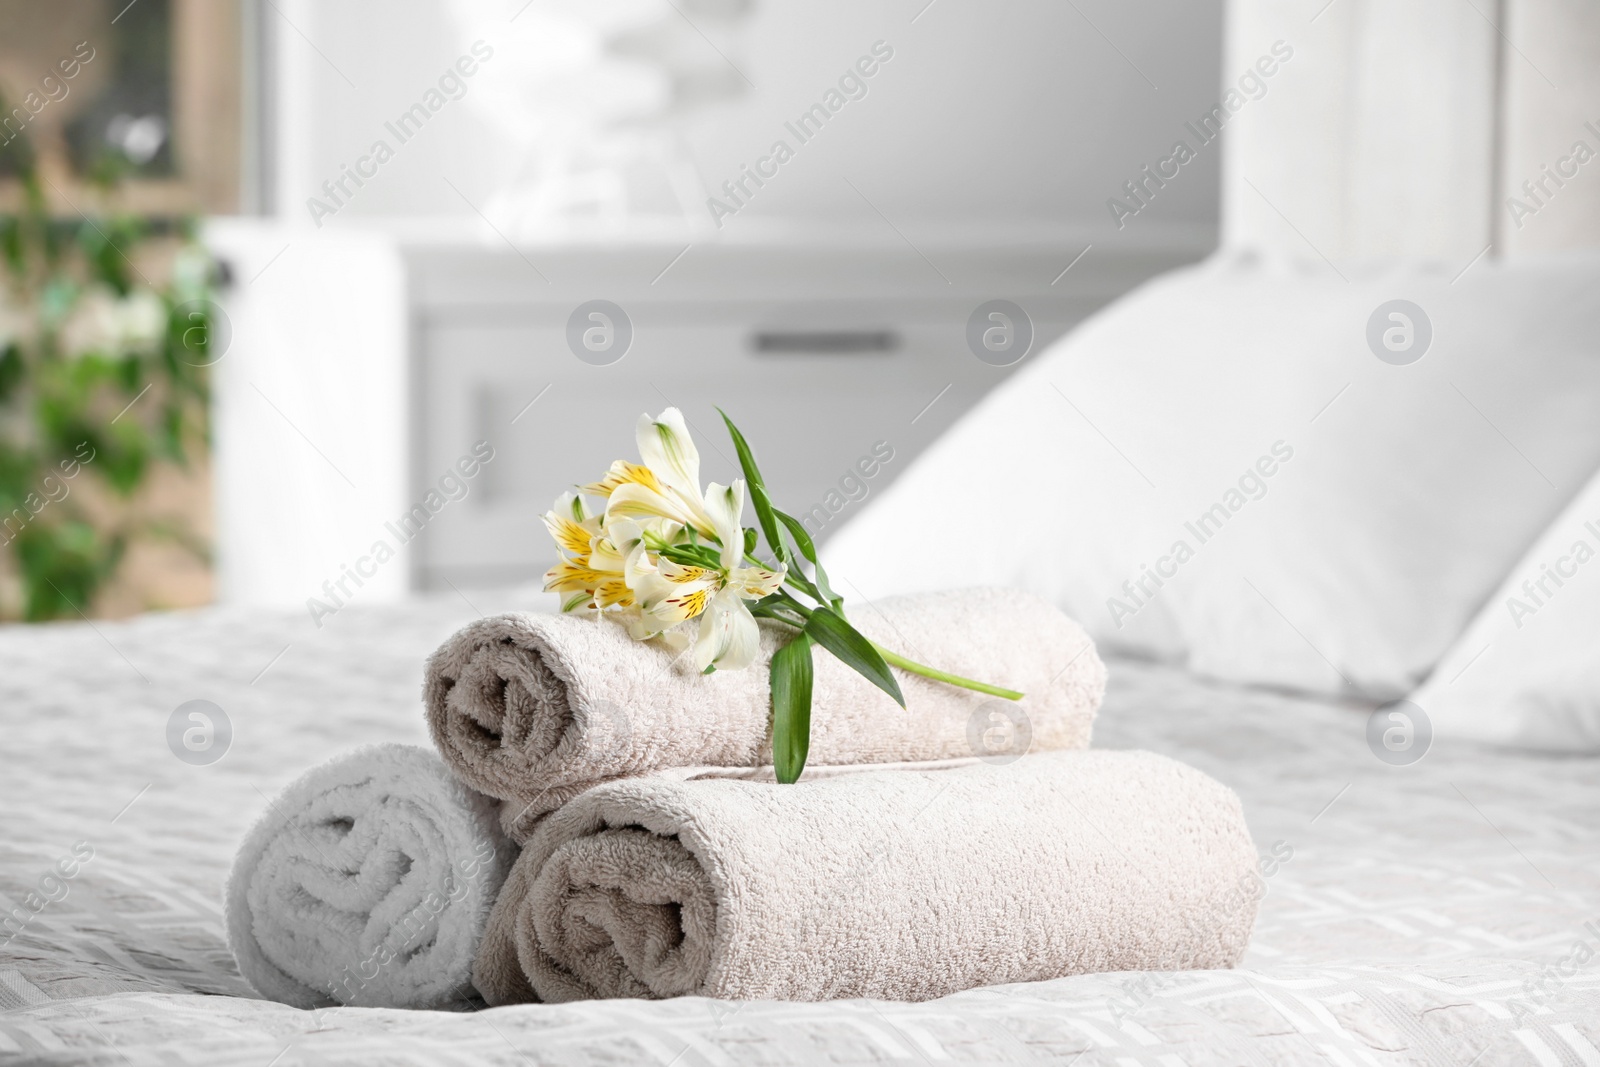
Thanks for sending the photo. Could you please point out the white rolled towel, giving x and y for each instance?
(535, 709)
(902, 885)
(367, 881)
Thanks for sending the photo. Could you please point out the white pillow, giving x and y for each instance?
(1527, 671)
(1398, 495)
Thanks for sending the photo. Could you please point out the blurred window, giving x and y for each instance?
(148, 91)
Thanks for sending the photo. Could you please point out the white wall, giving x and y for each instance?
(1377, 139)
(1381, 139)
(1027, 113)
(1552, 79)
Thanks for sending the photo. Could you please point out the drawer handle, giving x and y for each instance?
(825, 342)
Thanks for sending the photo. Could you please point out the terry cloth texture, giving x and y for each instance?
(367, 881)
(904, 885)
(534, 709)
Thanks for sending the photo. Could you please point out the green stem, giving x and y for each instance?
(790, 603)
(943, 676)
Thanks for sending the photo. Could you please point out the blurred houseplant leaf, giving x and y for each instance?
(98, 384)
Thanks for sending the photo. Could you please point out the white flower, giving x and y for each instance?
(667, 486)
(104, 323)
(664, 549)
(592, 583)
(141, 320)
(670, 592)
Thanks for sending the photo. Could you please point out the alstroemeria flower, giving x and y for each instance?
(666, 486)
(589, 573)
(593, 567)
(664, 552)
(670, 592)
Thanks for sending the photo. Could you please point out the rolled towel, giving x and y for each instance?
(367, 881)
(904, 885)
(534, 709)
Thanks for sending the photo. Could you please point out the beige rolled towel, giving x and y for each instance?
(903, 885)
(534, 709)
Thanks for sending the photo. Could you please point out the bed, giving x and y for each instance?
(1446, 912)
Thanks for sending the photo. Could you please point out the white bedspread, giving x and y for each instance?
(1416, 903)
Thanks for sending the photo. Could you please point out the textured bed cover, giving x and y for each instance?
(1413, 908)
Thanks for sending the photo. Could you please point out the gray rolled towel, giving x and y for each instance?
(367, 881)
(534, 709)
(902, 885)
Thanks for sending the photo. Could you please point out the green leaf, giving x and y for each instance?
(791, 708)
(778, 606)
(12, 370)
(758, 489)
(62, 566)
(808, 549)
(769, 528)
(802, 539)
(691, 556)
(845, 641)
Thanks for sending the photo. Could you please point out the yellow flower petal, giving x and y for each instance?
(572, 575)
(682, 574)
(614, 592)
(675, 609)
(570, 536)
(623, 473)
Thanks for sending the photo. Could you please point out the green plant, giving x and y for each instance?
(103, 376)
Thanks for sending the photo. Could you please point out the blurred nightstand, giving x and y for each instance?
(819, 347)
